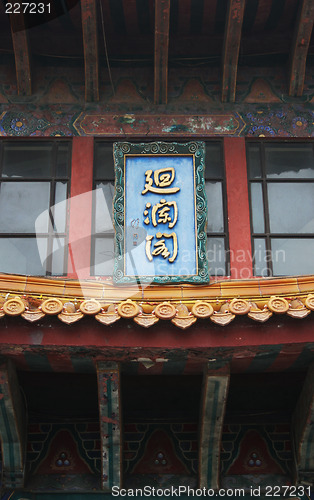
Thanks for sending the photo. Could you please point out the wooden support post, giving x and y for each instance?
(303, 430)
(231, 48)
(300, 47)
(162, 21)
(12, 427)
(90, 43)
(21, 54)
(214, 398)
(110, 423)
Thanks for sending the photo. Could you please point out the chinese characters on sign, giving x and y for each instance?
(161, 229)
(161, 213)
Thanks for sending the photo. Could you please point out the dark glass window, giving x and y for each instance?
(217, 240)
(281, 177)
(34, 182)
(103, 231)
(102, 225)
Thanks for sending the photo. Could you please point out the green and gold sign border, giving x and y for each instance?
(120, 151)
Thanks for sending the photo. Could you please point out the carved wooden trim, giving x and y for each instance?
(231, 48)
(90, 44)
(21, 54)
(300, 46)
(162, 20)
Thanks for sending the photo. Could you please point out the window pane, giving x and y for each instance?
(260, 257)
(20, 205)
(23, 255)
(289, 160)
(59, 209)
(63, 160)
(216, 256)
(104, 161)
(58, 256)
(103, 203)
(215, 222)
(291, 207)
(213, 160)
(104, 254)
(257, 207)
(254, 161)
(28, 160)
(292, 256)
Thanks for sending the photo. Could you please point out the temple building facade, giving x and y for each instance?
(156, 249)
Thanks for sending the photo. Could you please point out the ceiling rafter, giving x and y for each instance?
(22, 57)
(90, 45)
(231, 48)
(299, 48)
(162, 22)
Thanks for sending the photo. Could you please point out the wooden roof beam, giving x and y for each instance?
(90, 45)
(231, 48)
(21, 54)
(162, 21)
(300, 46)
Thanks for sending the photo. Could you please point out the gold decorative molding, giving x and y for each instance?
(202, 309)
(52, 306)
(14, 307)
(165, 310)
(221, 302)
(91, 307)
(278, 305)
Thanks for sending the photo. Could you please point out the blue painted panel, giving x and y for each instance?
(182, 227)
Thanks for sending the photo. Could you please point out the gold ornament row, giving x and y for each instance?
(179, 314)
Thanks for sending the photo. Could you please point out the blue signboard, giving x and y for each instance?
(160, 213)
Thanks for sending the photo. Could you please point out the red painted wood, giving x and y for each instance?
(80, 208)
(162, 20)
(238, 208)
(262, 15)
(130, 16)
(300, 47)
(90, 45)
(232, 40)
(126, 340)
(21, 54)
(209, 15)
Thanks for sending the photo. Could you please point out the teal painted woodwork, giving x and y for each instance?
(160, 213)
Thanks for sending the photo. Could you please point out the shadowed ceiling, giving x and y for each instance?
(161, 34)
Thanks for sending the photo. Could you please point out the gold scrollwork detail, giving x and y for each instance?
(128, 309)
(70, 318)
(278, 305)
(14, 307)
(184, 323)
(52, 306)
(165, 310)
(90, 306)
(33, 315)
(309, 302)
(146, 320)
(202, 309)
(239, 306)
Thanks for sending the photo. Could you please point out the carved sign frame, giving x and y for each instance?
(121, 151)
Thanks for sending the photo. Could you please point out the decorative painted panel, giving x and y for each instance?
(160, 213)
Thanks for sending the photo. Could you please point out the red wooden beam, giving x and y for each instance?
(90, 44)
(80, 208)
(238, 208)
(21, 54)
(300, 46)
(162, 18)
(231, 47)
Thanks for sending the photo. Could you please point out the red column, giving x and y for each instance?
(238, 208)
(80, 208)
